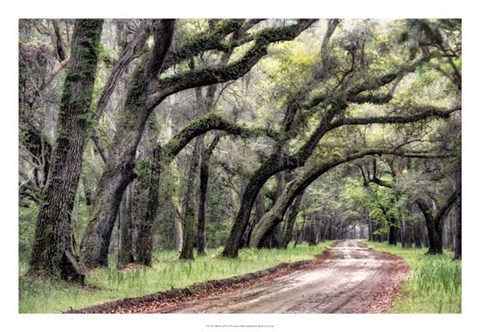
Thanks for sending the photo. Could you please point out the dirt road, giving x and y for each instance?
(351, 279)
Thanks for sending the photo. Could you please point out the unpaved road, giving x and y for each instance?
(351, 279)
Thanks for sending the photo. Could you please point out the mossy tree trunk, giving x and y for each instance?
(119, 169)
(274, 238)
(290, 222)
(177, 233)
(189, 204)
(434, 237)
(53, 250)
(144, 238)
(257, 216)
(434, 221)
(204, 175)
(125, 246)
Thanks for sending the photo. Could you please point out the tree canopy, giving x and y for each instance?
(236, 132)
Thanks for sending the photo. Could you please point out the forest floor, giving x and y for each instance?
(348, 278)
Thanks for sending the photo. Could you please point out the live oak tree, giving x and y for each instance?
(148, 90)
(53, 251)
(359, 81)
(298, 185)
(427, 198)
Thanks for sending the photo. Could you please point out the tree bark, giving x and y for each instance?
(370, 227)
(125, 247)
(273, 238)
(300, 231)
(204, 174)
(434, 238)
(406, 234)
(58, 41)
(53, 250)
(144, 241)
(258, 214)
(392, 229)
(418, 235)
(458, 217)
(177, 234)
(458, 230)
(189, 203)
(434, 223)
(291, 218)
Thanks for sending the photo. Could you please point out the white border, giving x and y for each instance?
(241, 8)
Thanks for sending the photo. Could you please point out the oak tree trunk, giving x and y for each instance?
(458, 231)
(189, 203)
(204, 175)
(273, 238)
(53, 250)
(290, 222)
(125, 246)
(145, 232)
(392, 230)
(418, 235)
(406, 234)
(457, 240)
(434, 239)
(119, 169)
(177, 230)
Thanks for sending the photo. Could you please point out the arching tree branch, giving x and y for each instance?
(418, 116)
(208, 123)
(237, 69)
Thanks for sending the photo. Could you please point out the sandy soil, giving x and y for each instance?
(350, 279)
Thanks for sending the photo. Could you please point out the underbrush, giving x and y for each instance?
(435, 285)
(108, 284)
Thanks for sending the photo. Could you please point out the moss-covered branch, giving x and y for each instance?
(233, 71)
(204, 42)
(400, 119)
(206, 124)
(129, 53)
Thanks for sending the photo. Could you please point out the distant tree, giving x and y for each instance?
(346, 76)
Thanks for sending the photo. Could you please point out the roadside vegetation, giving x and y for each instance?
(435, 285)
(167, 272)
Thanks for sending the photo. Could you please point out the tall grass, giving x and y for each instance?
(167, 272)
(435, 285)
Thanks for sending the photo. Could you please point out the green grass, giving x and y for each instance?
(44, 296)
(435, 285)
